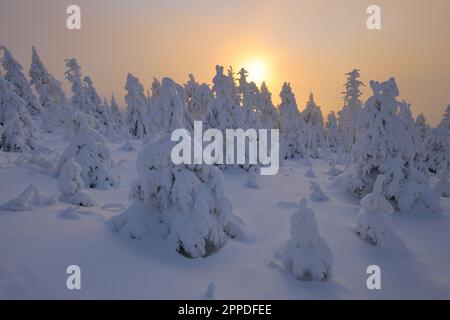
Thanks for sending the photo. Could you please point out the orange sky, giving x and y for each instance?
(309, 43)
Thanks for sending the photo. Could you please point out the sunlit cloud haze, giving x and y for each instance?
(308, 43)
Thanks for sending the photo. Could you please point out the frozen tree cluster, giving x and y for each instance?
(385, 146)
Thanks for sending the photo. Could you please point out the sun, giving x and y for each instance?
(257, 71)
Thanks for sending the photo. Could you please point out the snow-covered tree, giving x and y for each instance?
(269, 114)
(385, 147)
(332, 134)
(51, 94)
(14, 74)
(307, 255)
(445, 122)
(422, 126)
(18, 131)
(223, 112)
(198, 97)
(437, 144)
(70, 184)
(168, 108)
(374, 224)
(348, 116)
(291, 125)
(249, 98)
(418, 144)
(186, 202)
(98, 109)
(313, 135)
(117, 127)
(82, 109)
(442, 187)
(137, 113)
(89, 150)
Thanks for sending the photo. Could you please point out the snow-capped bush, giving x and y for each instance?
(91, 153)
(28, 200)
(291, 125)
(333, 171)
(307, 255)
(71, 185)
(316, 193)
(137, 113)
(18, 131)
(374, 224)
(21, 86)
(186, 201)
(386, 147)
(250, 178)
(313, 134)
(348, 116)
(51, 94)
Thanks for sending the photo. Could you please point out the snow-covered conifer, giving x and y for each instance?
(313, 136)
(437, 145)
(14, 74)
(168, 108)
(198, 97)
(348, 116)
(445, 122)
(51, 94)
(90, 151)
(269, 114)
(249, 92)
(386, 147)
(291, 125)
(442, 187)
(332, 134)
(186, 202)
(137, 113)
(81, 102)
(422, 126)
(307, 255)
(18, 131)
(223, 112)
(374, 224)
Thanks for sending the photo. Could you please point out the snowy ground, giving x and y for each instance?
(37, 246)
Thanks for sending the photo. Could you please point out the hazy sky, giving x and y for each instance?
(308, 43)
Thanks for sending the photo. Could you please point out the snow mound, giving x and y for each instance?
(28, 200)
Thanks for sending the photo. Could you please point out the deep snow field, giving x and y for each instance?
(37, 246)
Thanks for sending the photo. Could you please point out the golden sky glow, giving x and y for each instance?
(311, 44)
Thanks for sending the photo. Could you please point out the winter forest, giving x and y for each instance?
(85, 181)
